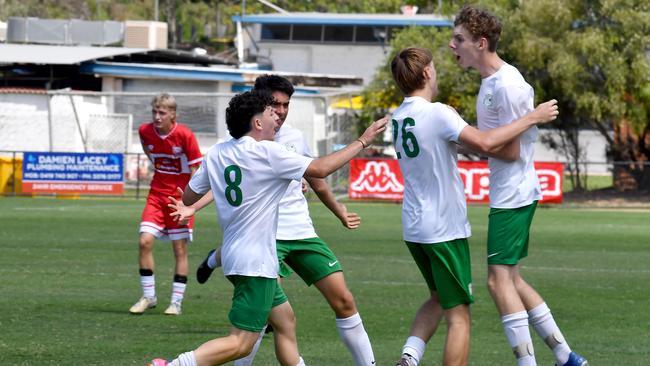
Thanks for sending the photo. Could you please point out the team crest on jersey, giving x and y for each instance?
(149, 147)
(487, 100)
(290, 147)
(177, 150)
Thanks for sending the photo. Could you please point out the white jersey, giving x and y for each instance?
(425, 136)
(294, 222)
(505, 97)
(248, 179)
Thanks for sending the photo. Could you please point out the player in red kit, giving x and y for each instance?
(175, 154)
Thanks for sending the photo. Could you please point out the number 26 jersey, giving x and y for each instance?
(425, 136)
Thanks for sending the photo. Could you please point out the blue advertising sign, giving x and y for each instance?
(54, 172)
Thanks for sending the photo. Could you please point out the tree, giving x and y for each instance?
(456, 87)
(590, 55)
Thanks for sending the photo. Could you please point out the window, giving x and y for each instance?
(276, 32)
(303, 32)
(370, 34)
(338, 33)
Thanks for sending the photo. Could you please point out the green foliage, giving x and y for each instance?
(456, 87)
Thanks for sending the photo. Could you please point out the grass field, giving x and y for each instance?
(69, 274)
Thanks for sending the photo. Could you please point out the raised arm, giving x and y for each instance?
(489, 142)
(326, 165)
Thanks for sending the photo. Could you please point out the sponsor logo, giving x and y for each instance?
(331, 264)
(377, 177)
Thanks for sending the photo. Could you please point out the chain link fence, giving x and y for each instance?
(93, 122)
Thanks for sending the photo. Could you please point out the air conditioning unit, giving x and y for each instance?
(145, 34)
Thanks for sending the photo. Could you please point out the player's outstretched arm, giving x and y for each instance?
(182, 213)
(491, 140)
(349, 219)
(328, 164)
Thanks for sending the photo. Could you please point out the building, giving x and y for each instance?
(326, 43)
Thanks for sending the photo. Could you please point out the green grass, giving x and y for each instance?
(591, 182)
(69, 274)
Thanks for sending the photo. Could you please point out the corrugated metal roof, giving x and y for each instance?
(160, 71)
(347, 19)
(58, 55)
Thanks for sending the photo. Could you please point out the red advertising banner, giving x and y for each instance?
(382, 179)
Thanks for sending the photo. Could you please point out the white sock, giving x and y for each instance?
(414, 347)
(301, 362)
(248, 360)
(356, 339)
(148, 284)
(515, 326)
(178, 292)
(184, 359)
(542, 320)
(213, 261)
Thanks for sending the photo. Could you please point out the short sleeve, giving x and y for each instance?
(306, 150)
(200, 181)
(192, 149)
(286, 164)
(513, 102)
(451, 123)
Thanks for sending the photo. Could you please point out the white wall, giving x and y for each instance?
(352, 60)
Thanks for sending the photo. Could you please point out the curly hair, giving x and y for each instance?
(408, 67)
(274, 83)
(480, 23)
(241, 109)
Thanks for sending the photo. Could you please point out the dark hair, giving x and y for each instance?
(274, 83)
(241, 109)
(480, 23)
(408, 68)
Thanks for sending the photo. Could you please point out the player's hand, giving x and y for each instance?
(181, 213)
(546, 112)
(305, 187)
(349, 219)
(375, 129)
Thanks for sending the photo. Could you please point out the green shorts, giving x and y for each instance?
(446, 267)
(252, 301)
(508, 233)
(310, 258)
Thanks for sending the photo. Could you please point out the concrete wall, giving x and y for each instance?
(339, 59)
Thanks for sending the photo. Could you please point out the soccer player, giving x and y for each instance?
(175, 154)
(514, 189)
(298, 245)
(248, 176)
(434, 213)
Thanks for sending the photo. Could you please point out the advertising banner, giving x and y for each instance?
(73, 173)
(382, 179)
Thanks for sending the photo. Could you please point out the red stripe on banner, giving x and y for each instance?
(73, 187)
(381, 179)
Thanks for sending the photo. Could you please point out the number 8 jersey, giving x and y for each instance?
(425, 136)
(248, 179)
